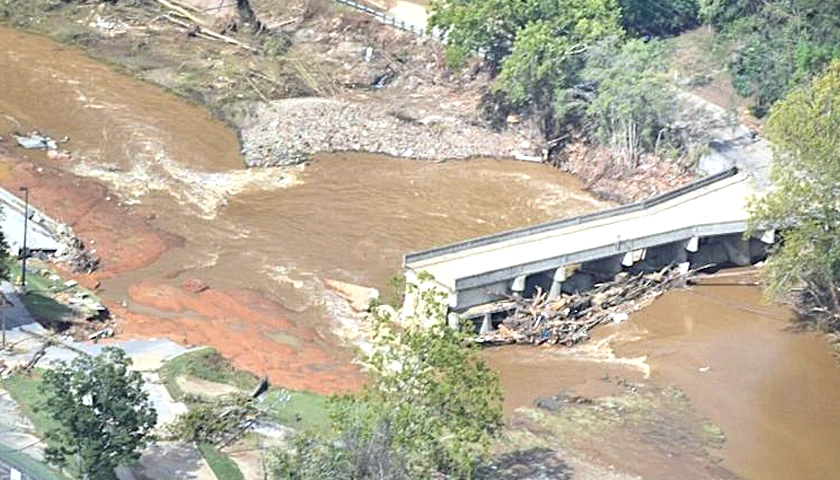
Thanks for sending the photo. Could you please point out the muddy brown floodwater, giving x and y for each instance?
(158, 187)
(774, 393)
(264, 240)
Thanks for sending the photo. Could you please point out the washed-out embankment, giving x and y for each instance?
(159, 189)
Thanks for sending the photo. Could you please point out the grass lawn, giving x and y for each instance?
(303, 410)
(24, 390)
(206, 364)
(223, 467)
(40, 292)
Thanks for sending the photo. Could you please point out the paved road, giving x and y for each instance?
(718, 203)
(11, 221)
(16, 314)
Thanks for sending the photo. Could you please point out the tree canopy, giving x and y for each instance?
(776, 44)
(633, 104)
(535, 46)
(571, 64)
(658, 18)
(805, 201)
(430, 408)
(104, 415)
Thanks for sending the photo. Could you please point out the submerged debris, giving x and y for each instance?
(34, 140)
(569, 319)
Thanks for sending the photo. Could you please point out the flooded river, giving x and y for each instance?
(265, 241)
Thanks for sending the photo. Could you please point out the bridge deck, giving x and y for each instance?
(719, 202)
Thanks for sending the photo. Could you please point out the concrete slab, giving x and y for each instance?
(167, 460)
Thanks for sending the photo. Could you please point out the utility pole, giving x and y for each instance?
(25, 253)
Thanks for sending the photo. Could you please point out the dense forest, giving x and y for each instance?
(600, 66)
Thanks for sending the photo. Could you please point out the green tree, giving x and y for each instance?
(658, 17)
(5, 271)
(805, 200)
(633, 104)
(775, 44)
(104, 415)
(535, 46)
(430, 408)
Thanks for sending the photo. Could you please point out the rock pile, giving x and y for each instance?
(289, 131)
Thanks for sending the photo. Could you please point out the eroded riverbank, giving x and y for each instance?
(765, 394)
(160, 188)
(264, 240)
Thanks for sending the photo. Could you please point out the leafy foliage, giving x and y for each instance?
(775, 44)
(633, 104)
(431, 407)
(569, 64)
(5, 270)
(104, 415)
(535, 46)
(214, 421)
(806, 199)
(658, 17)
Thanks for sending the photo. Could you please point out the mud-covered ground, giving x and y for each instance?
(640, 430)
(126, 241)
(367, 86)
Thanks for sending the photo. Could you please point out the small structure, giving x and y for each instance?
(41, 236)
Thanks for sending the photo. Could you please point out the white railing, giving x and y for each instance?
(388, 19)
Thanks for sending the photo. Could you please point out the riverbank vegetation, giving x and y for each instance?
(577, 68)
(805, 266)
(773, 46)
(430, 409)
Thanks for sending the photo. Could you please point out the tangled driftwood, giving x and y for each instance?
(569, 319)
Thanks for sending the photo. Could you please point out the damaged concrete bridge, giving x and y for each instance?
(700, 224)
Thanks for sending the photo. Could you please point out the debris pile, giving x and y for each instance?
(569, 319)
(36, 141)
(76, 256)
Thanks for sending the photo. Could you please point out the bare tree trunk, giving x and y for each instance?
(246, 13)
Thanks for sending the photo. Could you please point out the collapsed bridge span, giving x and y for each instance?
(698, 224)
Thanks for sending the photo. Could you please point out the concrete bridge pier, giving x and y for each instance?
(557, 283)
(518, 285)
(486, 324)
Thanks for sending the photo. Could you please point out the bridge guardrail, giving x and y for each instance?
(387, 19)
(617, 248)
(555, 224)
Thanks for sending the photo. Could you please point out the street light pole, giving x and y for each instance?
(25, 191)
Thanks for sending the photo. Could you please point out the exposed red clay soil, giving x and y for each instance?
(122, 238)
(245, 327)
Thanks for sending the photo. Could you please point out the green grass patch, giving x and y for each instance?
(41, 290)
(304, 410)
(25, 390)
(28, 465)
(223, 467)
(206, 364)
